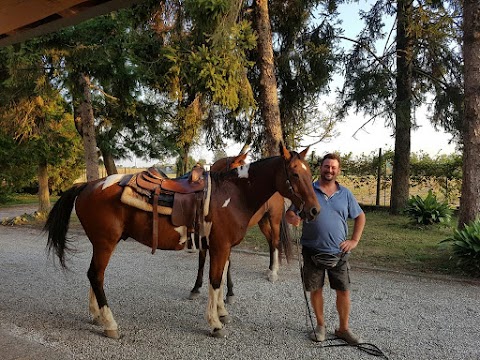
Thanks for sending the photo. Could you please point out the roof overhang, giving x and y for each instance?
(21, 20)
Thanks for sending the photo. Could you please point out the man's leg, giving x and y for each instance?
(316, 298)
(343, 308)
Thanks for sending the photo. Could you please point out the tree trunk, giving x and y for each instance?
(403, 125)
(109, 163)
(470, 196)
(43, 191)
(88, 128)
(268, 83)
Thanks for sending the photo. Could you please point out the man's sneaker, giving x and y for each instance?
(348, 336)
(318, 334)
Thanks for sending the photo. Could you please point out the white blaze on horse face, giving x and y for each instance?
(182, 230)
(112, 179)
(243, 171)
(225, 204)
(304, 167)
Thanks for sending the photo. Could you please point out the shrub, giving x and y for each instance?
(466, 246)
(428, 211)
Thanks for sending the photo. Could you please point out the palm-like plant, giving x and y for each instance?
(466, 246)
(429, 210)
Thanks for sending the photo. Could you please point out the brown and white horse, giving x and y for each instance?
(270, 220)
(235, 197)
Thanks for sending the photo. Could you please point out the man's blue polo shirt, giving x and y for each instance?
(330, 228)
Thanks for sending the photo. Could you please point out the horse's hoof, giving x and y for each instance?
(226, 319)
(112, 334)
(219, 333)
(272, 277)
(96, 321)
(230, 299)
(193, 296)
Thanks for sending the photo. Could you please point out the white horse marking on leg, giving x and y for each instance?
(93, 307)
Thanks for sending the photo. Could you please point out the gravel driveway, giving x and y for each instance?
(44, 310)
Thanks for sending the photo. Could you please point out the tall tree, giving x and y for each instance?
(470, 198)
(268, 99)
(403, 107)
(194, 58)
(85, 121)
(306, 54)
(116, 113)
(33, 113)
(391, 82)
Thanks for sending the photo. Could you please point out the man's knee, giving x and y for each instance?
(343, 295)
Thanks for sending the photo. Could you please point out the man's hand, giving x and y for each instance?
(292, 218)
(348, 245)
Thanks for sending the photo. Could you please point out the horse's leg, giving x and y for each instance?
(93, 307)
(195, 292)
(101, 312)
(230, 294)
(216, 311)
(272, 235)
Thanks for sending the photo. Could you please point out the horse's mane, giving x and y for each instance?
(219, 176)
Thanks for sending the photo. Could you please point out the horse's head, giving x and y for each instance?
(229, 163)
(296, 183)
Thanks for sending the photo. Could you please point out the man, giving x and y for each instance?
(325, 247)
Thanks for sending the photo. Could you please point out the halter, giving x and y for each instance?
(290, 188)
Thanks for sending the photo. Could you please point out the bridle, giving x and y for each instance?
(292, 191)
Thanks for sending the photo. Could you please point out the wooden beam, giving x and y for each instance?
(17, 14)
(80, 11)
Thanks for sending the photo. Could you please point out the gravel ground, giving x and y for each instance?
(44, 310)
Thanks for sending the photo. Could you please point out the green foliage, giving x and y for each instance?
(429, 210)
(466, 246)
(17, 167)
(433, 38)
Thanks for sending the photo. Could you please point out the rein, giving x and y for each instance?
(368, 348)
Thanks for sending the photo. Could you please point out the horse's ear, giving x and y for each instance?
(196, 174)
(284, 152)
(303, 154)
(241, 158)
(244, 156)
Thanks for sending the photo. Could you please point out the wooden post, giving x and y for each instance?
(379, 175)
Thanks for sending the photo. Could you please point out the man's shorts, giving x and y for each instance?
(314, 275)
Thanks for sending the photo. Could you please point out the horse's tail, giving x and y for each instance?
(58, 221)
(285, 238)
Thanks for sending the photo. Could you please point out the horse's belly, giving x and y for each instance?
(169, 237)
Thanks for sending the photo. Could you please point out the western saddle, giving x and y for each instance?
(188, 193)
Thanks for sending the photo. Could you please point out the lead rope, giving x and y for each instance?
(368, 348)
(308, 311)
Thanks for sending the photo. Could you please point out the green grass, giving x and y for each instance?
(24, 199)
(21, 199)
(391, 242)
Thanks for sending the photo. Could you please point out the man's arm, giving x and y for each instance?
(292, 218)
(358, 225)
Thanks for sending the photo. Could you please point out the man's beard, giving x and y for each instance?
(330, 178)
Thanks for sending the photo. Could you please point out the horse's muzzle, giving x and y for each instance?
(311, 214)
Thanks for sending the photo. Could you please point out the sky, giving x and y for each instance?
(372, 137)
